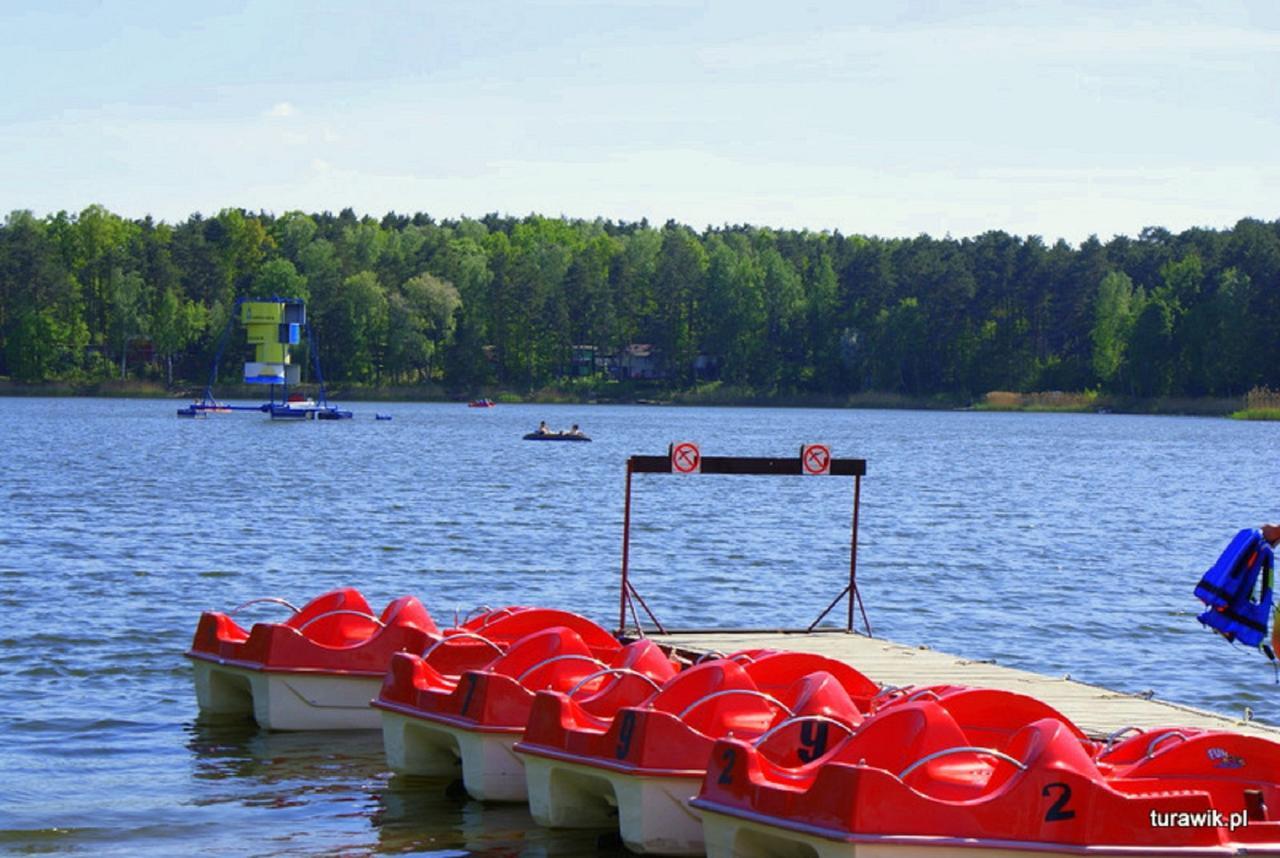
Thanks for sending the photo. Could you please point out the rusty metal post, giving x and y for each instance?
(626, 550)
(853, 560)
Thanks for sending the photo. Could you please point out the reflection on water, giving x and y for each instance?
(252, 768)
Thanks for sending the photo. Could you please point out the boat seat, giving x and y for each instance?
(824, 718)
(343, 627)
(633, 674)
(551, 658)
(697, 697)
(342, 599)
(898, 736)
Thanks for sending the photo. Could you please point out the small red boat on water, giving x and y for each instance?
(434, 724)
(639, 767)
(978, 771)
(481, 403)
(319, 669)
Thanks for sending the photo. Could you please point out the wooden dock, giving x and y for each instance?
(1096, 710)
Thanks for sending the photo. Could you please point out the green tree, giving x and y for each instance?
(128, 312)
(1151, 347)
(278, 278)
(678, 285)
(361, 334)
(434, 303)
(1114, 313)
(175, 325)
(32, 346)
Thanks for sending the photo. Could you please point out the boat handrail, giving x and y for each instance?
(556, 658)
(796, 719)
(477, 611)
(768, 698)
(613, 671)
(916, 695)
(469, 635)
(495, 614)
(1114, 737)
(1168, 734)
(341, 611)
(272, 599)
(962, 749)
(708, 655)
(888, 690)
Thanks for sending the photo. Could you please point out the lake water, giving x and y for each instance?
(1055, 543)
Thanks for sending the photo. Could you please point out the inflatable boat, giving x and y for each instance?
(437, 725)
(984, 772)
(638, 769)
(555, 436)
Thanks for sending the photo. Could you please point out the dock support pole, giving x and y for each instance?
(854, 595)
(626, 550)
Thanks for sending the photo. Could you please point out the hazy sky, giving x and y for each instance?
(893, 119)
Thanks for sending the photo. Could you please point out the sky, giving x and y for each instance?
(878, 118)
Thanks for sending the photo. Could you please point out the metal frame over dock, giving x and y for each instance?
(685, 458)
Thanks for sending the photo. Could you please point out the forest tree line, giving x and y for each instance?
(503, 301)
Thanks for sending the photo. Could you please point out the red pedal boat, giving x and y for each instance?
(924, 778)
(315, 671)
(434, 724)
(319, 669)
(648, 760)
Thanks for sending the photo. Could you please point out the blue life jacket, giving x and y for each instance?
(1227, 588)
(1224, 579)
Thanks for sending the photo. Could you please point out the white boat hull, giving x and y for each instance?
(731, 836)
(415, 747)
(652, 813)
(490, 769)
(288, 701)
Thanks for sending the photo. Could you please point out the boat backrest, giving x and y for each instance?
(899, 736)
(775, 672)
(1051, 744)
(511, 627)
(820, 693)
(697, 682)
(990, 716)
(528, 660)
(345, 598)
(408, 611)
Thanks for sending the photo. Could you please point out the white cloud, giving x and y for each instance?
(282, 110)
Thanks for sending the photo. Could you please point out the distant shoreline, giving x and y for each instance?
(996, 401)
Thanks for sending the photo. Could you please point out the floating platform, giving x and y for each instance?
(1096, 710)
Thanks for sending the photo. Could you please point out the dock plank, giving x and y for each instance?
(1096, 710)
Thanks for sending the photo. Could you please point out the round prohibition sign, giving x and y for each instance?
(815, 460)
(685, 458)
